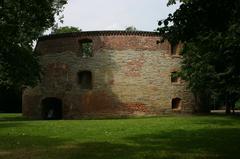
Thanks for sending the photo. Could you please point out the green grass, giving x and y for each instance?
(149, 138)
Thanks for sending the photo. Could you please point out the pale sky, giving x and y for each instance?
(91, 15)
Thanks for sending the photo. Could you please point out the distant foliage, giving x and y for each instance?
(131, 28)
(65, 29)
(171, 2)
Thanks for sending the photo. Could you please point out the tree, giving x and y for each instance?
(65, 29)
(131, 28)
(21, 23)
(210, 31)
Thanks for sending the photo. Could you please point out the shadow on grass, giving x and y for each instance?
(203, 143)
(219, 120)
(11, 120)
(12, 117)
(9, 125)
(29, 147)
(26, 141)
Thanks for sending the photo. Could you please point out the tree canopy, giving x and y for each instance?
(65, 29)
(210, 32)
(131, 28)
(22, 22)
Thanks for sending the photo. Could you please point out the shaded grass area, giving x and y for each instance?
(160, 137)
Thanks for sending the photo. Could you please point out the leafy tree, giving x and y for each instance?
(131, 28)
(210, 31)
(65, 29)
(22, 22)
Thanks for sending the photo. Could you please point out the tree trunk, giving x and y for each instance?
(228, 108)
(202, 103)
(233, 107)
(230, 102)
(228, 105)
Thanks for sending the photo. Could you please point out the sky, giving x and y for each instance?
(90, 15)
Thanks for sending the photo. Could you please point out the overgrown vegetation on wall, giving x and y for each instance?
(210, 31)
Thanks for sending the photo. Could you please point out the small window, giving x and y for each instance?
(85, 79)
(174, 49)
(176, 103)
(86, 48)
(175, 77)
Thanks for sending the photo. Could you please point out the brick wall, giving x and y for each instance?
(131, 75)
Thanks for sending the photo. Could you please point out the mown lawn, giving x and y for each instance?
(149, 138)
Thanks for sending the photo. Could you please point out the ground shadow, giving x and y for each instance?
(202, 143)
(217, 138)
(219, 120)
(26, 146)
(12, 118)
(10, 124)
(179, 143)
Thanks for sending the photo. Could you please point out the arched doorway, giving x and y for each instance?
(51, 108)
(176, 104)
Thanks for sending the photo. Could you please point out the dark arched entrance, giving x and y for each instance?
(176, 104)
(51, 108)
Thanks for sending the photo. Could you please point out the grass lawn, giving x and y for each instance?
(149, 138)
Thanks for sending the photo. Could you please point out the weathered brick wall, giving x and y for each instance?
(131, 76)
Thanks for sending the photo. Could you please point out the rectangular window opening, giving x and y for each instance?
(86, 48)
(85, 79)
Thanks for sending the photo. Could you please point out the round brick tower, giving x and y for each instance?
(106, 74)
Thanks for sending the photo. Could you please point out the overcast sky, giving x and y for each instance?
(115, 14)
